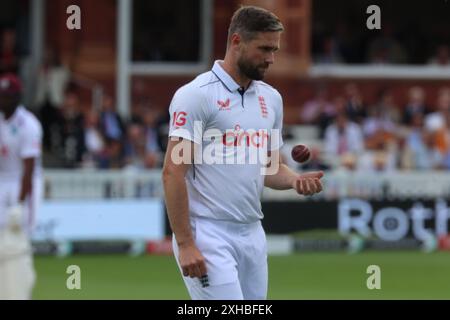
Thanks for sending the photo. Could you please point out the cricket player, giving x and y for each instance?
(213, 203)
(20, 189)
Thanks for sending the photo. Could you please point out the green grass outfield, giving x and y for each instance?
(404, 275)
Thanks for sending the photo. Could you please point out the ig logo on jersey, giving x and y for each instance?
(179, 118)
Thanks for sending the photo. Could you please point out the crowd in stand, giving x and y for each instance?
(355, 134)
(381, 136)
(346, 45)
(78, 136)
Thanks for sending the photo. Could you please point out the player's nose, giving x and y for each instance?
(270, 59)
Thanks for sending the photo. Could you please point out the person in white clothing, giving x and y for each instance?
(20, 190)
(225, 136)
(343, 136)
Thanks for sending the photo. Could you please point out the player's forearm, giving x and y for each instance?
(282, 180)
(27, 179)
(177, 207)
(25, 189)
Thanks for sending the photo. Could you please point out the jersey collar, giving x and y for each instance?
(14, 116)
(226, 79)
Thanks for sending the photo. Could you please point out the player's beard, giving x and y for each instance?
(250, 70)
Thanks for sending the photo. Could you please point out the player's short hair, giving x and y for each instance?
(247, 21)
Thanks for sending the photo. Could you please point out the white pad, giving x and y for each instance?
(17, 274)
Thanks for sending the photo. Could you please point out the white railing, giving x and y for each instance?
(98, 184)
(398, 185)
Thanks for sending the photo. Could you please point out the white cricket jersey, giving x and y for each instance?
(20, 138)
(230, 127)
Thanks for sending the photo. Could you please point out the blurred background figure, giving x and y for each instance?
(343, 136)
(318, 110)
(111, 122)
(330, 53)
(52, 82)
(67, 135)
(381, 133)
(135, 145)
(9, 55)
(94, 141)
(442, 56)
(153, 156)
(418, 152)
(316, 161)
(355, 108)
(386, 49)
(437, 126)
(415, 105)
(381, 123)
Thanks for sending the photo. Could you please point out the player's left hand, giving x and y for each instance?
(308, 183)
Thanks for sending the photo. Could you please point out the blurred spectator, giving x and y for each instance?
(9, 56)
(385, 158)
(135, 146)
(162, 128)
(69, 139)
(380, 127)
(380, 135)
(343, 136)
(93, 140)
(153, 156)
(140, 101)
(53, 80)
(385, 49)
(110, 122)
(437, 126)
(141, 104)
(355, 109)
(417, 153)
(442, 56)
(142, 150)
(319, 110)
(348, 43)
(415, 105)
(347, 162)
(113, 155)
(330, 53)
(437, 120)
(316, 162)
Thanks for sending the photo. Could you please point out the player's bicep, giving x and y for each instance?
(188, 114)
(179, 156)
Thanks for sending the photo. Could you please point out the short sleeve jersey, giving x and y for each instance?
(20, 138)
(232, 130)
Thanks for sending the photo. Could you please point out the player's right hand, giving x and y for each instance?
(14, 216)
(192, 261)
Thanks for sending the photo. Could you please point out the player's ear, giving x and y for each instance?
(235, 40)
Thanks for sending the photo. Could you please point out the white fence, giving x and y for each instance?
(99, 184)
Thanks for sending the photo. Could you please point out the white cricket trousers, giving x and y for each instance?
(17, 275)
(236, 260)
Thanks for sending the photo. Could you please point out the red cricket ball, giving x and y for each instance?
(300, 153)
